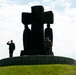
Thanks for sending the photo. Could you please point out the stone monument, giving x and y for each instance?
(37, 42)
(33, 40)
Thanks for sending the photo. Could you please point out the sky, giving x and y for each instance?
(64, 27)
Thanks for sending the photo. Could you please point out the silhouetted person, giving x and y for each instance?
(48, 46)
(11, 47)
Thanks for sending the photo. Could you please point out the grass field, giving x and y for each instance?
(56, 69)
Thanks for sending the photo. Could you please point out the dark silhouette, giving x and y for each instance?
(11, 47)
(49, 34)
(33, 40)
(48, 46)
(26, 40)
(37, 42)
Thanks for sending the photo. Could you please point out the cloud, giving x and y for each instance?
(4, 3)
(65, 33)
(57, 4)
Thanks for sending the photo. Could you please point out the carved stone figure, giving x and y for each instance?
(26, 39)
(49, 33)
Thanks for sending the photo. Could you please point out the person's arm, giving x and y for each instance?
(8, 43)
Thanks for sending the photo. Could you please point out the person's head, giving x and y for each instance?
(48, 25)
(11, 41)
(47, 38)
(26, 26)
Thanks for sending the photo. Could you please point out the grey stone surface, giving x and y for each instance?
(36, 59)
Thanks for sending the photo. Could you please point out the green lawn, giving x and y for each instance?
(56, 69)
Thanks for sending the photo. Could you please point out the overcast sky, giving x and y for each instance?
(64, 27)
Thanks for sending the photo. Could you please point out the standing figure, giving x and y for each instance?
(26, 39)
(49, 34)
(11, 47)
(48, 46)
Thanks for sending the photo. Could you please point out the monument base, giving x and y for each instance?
(35, 52)
(36, 60)
(32, 52)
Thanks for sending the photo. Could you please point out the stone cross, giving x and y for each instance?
(33, 40)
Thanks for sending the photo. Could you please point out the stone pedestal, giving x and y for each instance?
(36, 60)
